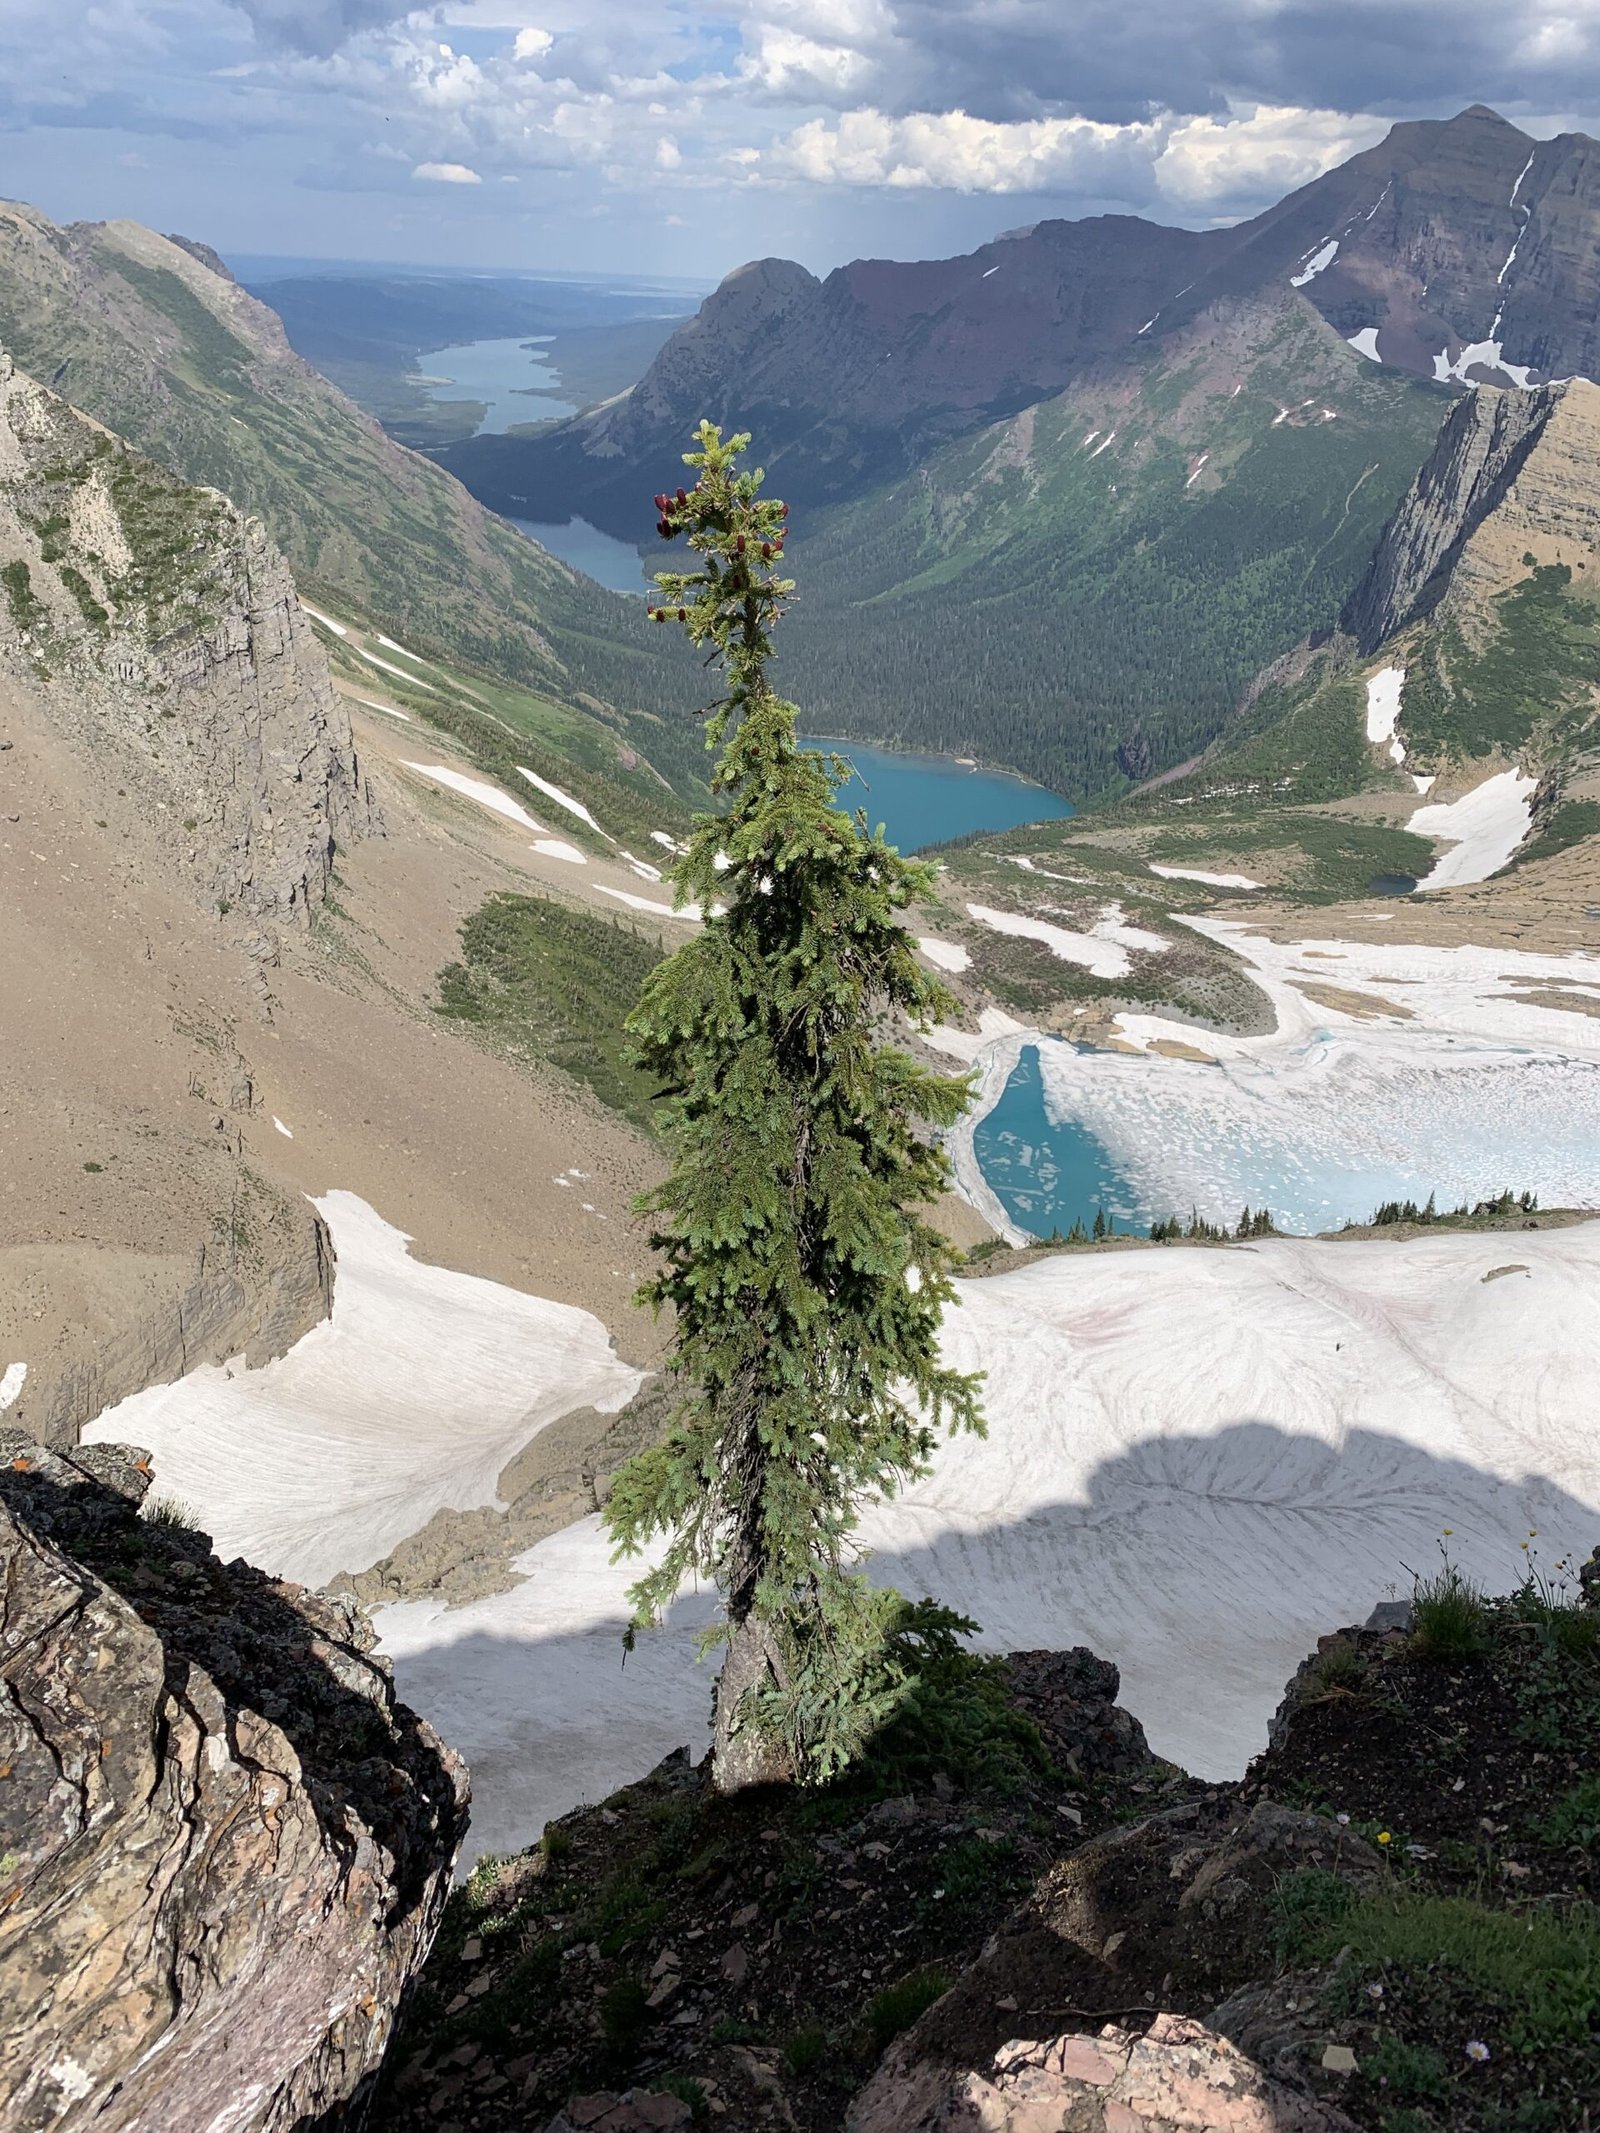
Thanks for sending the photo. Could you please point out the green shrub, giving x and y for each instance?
(1339, 1671)
(1306, 1904)
(806, 2048)
(624, 2013)
(1449, 1615)
(1575, 1818)
(897, 2006)
(1412, 2072)
(172, 1511)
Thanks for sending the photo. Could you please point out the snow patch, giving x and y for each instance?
(1212, 881)
(413, 1397)
(389, 667)
(1487, 825)
(1316, 265)
(984, 276)
(1424, 784)
(283, 1129)
(1194, 471)
(1100, 447)
(1365, 343)
(562, 799)
(489, 796)
(1483, 355)
(944, 955)
(12, 1379)
(374, 703)
(669, 843)
(1102, 951)
(327, 621)
(1383, 709)
(1521, 174)
(688, 912)
(558, 848)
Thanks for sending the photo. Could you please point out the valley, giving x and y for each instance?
(1215, 612)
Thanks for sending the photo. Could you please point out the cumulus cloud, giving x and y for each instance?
(953, 150)
(447, 173)
(1260, 154)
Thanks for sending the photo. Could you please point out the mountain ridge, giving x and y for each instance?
(1457, 250)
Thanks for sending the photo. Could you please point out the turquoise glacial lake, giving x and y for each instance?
(1046, 1176)
(928, 799)
(511, 378)
(598, 555)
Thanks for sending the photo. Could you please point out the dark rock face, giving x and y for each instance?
(1072, 1698)
(162, 629)
(224, 1847)
(1482, 449)
(1464, 245)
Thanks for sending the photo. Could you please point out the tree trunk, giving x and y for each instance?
(740, 1755)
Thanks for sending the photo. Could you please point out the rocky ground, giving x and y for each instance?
(1014, 1917)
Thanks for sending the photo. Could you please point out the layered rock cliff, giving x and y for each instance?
(1482, 449)
(224, 1847)
(163, 627)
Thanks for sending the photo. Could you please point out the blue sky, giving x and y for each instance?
(683, 136)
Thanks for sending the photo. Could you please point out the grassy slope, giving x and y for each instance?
(1027, 602)
(186, 366)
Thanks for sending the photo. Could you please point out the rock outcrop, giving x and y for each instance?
(163, 627)
(224, 1847)
(1178, 1903)
(1509, 484)
(1178, 2077)
(1481, 451)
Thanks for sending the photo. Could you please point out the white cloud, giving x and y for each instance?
(952, 150)
(532, 44)
(1259, 153)
(447, 173)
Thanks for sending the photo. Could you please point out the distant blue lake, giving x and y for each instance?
(598, 555)
(511, 377)
(928, 799)
(1045, 1176)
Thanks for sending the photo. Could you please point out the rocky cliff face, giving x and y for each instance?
(224, 1847)
(164, 628)
(1481, 450)
(1511, 478)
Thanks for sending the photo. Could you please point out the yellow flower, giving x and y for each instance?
(1383, 1836)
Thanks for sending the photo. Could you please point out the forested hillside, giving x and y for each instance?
(1085, 591)
(155, 340)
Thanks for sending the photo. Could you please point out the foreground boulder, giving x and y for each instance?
(1179, 2077)
(224, 1847)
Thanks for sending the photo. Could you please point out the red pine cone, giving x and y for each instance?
(664, 528)
(683, 614)
(683, 496)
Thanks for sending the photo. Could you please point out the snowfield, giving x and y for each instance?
(1486, 827)
(413, 1397)
(1198, 1461)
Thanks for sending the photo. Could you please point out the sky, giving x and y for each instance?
(682, 137)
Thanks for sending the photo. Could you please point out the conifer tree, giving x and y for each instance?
(806, 1283)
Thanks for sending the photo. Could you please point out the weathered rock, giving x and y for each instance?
(1179, 2077)
(224, 1847)
(1511, 476)
(1072, 1698)
(165, 630)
